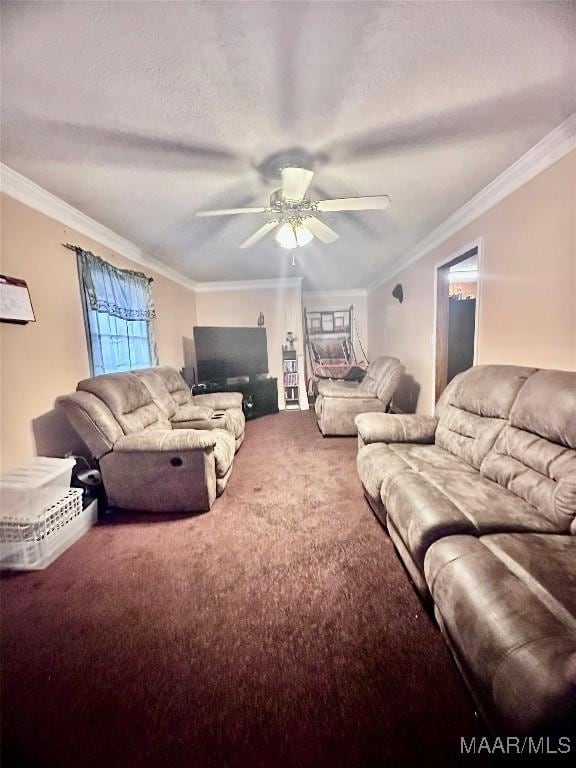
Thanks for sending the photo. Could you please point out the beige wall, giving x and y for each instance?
(334, 300)
(47, 358)
(527, 304)
(282, 308)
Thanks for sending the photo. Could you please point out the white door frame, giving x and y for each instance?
(477, 244)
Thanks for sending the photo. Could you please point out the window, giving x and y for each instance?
(118, 314)
(116, 344)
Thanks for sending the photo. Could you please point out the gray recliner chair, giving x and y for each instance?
(147, 465)
(339, 402)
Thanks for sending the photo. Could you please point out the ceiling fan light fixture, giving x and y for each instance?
(290, 237)
(304, 236)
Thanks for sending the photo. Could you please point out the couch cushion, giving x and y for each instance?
(129, 400)
(474, 408)
(378, 463)
(534, 455)
(546, 406)
(424, 458)
(508, 605)
(427, 507)
(488, 390)
(545, 563)
(467, 435)
(175, 384)
(541, 472)
(342, 389)
(154, 383)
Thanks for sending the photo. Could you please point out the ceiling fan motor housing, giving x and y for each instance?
(279, 203)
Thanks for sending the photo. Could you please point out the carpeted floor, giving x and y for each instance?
(277, 630)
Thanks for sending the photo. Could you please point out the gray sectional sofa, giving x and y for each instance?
(159, 449)
(480, 502)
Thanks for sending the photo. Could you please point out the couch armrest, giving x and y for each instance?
(393, 428)
(220, 401)
(345, 389)
(164, 441)
(190, 413)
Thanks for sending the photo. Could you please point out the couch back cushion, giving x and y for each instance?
(175, 384)
(128, 400)
(92, 420)
(382, 378)
(474, 409)
(535, 455)
(154, 383)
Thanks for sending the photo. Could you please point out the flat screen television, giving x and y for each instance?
(225, 353)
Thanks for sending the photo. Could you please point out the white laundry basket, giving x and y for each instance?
(33, 543)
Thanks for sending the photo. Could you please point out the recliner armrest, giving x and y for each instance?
(190, 413)
(345, 389)
(395, 428)
(166, 441)
(220, 401)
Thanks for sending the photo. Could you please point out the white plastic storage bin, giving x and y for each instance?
(34, 486)
(34, 543)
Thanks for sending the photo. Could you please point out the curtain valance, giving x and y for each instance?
(122, 293)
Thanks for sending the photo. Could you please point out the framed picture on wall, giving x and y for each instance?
(15, 302)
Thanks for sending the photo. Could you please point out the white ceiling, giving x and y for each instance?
(140, 113)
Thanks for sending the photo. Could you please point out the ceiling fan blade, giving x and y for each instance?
(295, 182)
(229, 211)
(379, 203)
(260, 233)
(320, 230)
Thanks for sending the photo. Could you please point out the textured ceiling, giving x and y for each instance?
(140, 114)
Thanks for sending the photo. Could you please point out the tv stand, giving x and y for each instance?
(260, 395)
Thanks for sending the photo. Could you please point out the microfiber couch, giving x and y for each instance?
(480, 502)
(339, 402)
(150, 457)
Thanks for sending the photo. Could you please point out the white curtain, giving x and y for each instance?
(119, 292)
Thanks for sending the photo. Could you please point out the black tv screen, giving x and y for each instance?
(224, 353)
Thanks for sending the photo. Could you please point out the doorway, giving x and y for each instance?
(456, 317)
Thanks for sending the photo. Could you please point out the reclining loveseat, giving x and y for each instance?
(147, 464)
(480, 502)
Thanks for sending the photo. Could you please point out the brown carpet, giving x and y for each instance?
(279, 629)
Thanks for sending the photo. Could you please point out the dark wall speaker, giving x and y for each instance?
(398, 292)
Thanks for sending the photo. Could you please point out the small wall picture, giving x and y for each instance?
(15, 302)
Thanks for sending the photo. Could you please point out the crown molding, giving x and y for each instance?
(346, 293)
(24, 190)
(249, 285)
(541, 156)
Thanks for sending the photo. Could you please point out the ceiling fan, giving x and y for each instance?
(293, 212)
